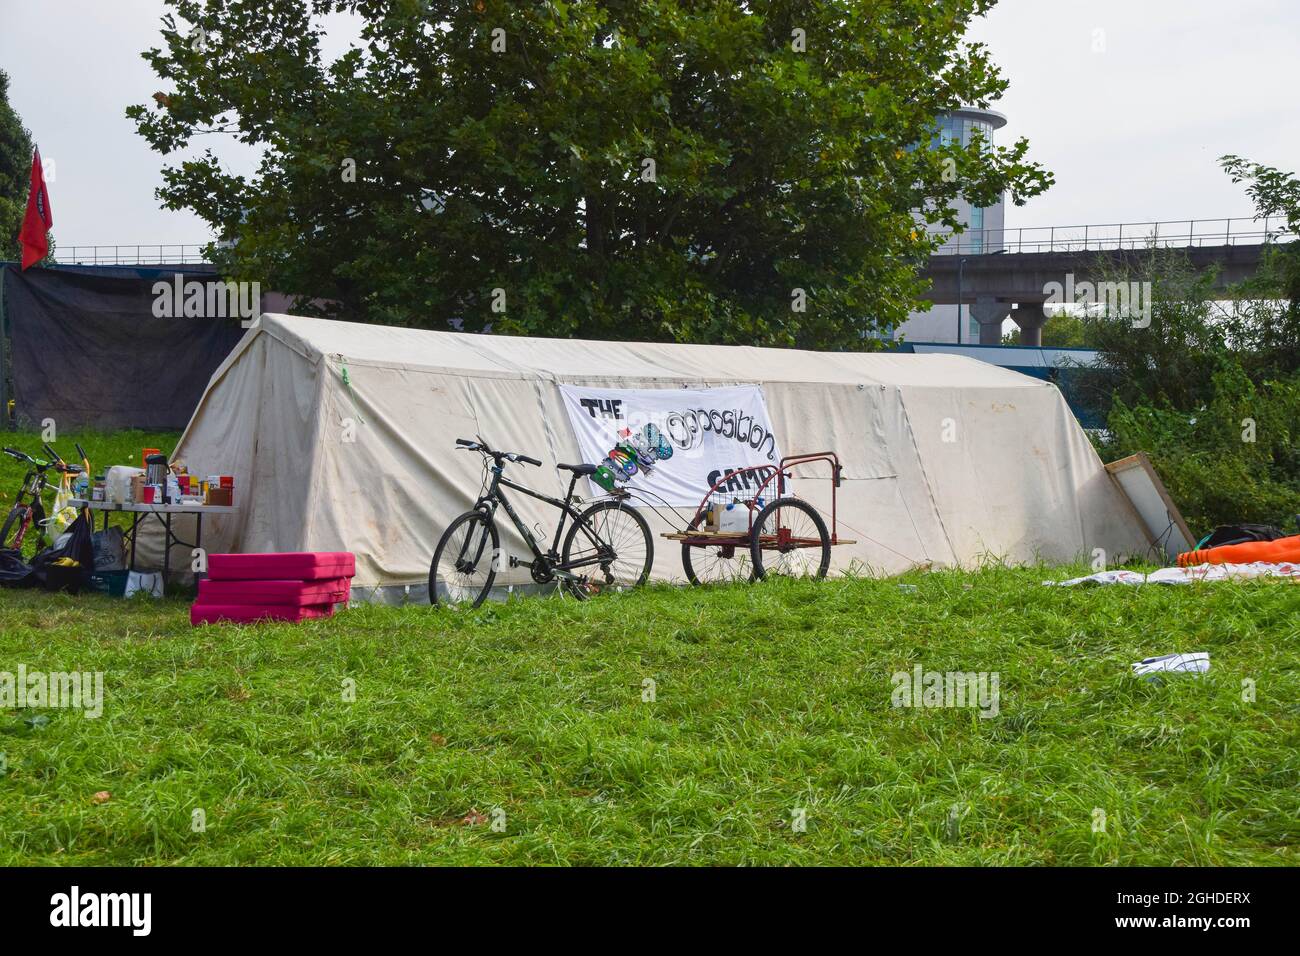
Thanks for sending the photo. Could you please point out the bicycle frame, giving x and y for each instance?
(495, 495)
(33, 489)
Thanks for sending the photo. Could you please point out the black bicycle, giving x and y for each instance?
(28, 510)
(608, 546)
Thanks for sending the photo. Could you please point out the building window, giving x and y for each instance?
(947, 131)
(985, 131)
(976, 229)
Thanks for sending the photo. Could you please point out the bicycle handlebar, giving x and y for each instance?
(23, 456)
(498, 456)
(57, 463)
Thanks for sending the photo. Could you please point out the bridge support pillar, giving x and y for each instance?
(990, 314)
(1029, 316)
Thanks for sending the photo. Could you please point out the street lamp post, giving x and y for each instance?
(961, 265)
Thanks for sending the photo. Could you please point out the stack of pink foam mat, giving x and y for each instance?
(291, 586)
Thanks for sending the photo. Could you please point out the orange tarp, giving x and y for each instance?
(1274, 552)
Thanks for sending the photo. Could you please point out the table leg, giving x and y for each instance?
(135, 524)
(167, 551)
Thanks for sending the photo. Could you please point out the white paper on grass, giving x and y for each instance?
(1197, 662)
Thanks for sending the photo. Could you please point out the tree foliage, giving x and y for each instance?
(1276, 195)
(508, 146)
(15, 173)
(1210, 388)
(1236, 458)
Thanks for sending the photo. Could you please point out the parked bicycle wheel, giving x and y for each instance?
(11, 519)
(463, 566)
(790, 539)
(715, 563)
(612, 545)
(27, 522)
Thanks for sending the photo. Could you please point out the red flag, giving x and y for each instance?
(38, 220)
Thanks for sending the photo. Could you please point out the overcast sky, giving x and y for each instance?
(1128, 102)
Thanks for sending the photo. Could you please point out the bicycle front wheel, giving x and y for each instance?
(465, 562)
(609, 548)
(10, 520)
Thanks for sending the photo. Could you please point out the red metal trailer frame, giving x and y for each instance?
(782, 540)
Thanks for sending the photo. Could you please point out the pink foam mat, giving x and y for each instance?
(250, 613)
(288, 565)
(291, 593)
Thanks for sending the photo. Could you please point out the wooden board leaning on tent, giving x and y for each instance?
(1136, 477)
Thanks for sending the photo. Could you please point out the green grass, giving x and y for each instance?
(769, 698)
(104, 449)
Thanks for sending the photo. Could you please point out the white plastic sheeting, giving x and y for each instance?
(1200, 572)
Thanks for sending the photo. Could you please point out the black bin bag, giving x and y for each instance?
(69, 562)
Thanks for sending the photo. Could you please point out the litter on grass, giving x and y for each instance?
(1202, 572)
(1198, 662)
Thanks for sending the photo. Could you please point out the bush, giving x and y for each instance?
(1211, 390)
(1235, 459)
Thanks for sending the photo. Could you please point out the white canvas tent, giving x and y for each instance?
(341, 437)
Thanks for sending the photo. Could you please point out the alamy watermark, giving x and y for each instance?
(922, 688)
(71, 690)
(209, 299)
(1122, 300)
(75, 908)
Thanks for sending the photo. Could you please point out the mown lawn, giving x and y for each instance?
(769, 700)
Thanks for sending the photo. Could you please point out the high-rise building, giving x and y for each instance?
(984, 232)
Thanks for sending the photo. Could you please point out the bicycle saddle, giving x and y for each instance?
(579, 469)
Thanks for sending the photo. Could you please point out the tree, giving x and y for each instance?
(15, 173)
(1235, 458)
(1276, 194)
(1169, 356)
(673, 170)
(1210, 390)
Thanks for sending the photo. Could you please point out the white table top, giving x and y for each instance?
(184, 509)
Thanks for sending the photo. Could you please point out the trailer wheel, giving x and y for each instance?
(790, 540)
(714, 563)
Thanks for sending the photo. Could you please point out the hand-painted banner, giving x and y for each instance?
(672, 442)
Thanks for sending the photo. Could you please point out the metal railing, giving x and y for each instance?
(130, 255)
(1182, 233)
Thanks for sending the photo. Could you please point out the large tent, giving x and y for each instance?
(340, 437)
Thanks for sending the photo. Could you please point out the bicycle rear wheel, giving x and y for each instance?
(464, 563)
(612, 546)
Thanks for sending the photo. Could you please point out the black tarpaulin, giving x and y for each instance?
(87, 350)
